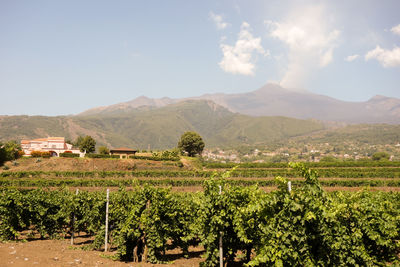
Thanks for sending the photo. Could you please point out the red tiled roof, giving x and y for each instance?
(48, 139)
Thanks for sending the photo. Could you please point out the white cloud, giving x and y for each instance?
(351, 58)
(396, 30)
(326, 58)
(218, 20)
(387, 58)
(238, 58)
(311, 41)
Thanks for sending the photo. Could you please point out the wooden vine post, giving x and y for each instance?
(106, 234)
(289, 186)
(146, 249)
(73, 222)
(221, 252)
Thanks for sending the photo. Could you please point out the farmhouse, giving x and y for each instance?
(123, 152)
(54, 145)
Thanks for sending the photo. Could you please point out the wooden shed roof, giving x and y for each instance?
(123, 149)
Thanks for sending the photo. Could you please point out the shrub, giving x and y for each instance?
(101, 156)
(46, 154)
(104, 150)
(155, 158)
(40, 154)
(69, 155)
(380, 156)
(36, 154)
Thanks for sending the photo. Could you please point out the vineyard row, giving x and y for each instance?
(384, 172)
(95, 182)
(360, 164)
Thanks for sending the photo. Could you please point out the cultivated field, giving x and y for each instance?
(167, 211)
(115, 173)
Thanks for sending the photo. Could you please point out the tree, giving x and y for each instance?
(9, 151)
(78, 141)
(191, 143)
(3, 154)
(104, 150)
(87, 144)
(12, 150)
(69, 141)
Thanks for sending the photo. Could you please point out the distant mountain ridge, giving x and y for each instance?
(273, 100)
(161, 127)
(141, 101)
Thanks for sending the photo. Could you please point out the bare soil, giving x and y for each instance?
(61, 253)
(88, 164)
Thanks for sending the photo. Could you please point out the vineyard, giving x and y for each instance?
(306, 226)
(170, 173)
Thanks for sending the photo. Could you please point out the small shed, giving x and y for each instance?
(123, 151)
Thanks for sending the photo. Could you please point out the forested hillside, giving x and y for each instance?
(161, 127)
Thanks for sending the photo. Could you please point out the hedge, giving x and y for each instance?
(155, 158)
(42, 154)
(101, 156)
(69, 155)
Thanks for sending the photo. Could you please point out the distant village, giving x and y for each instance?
(310, 153)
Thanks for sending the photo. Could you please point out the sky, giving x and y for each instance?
(64, 57)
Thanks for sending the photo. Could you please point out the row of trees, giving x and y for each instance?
(190, 143)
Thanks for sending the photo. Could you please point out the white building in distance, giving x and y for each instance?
(54, 145)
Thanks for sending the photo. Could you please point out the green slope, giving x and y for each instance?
(162, 127)
(20, 127)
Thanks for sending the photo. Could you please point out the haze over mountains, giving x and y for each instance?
(273, 100)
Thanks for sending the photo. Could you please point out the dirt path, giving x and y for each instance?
(60, 253)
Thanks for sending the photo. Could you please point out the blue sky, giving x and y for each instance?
(63, 57)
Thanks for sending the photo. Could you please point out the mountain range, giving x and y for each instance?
(268, 115)
(161, 127)
(273, 100)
